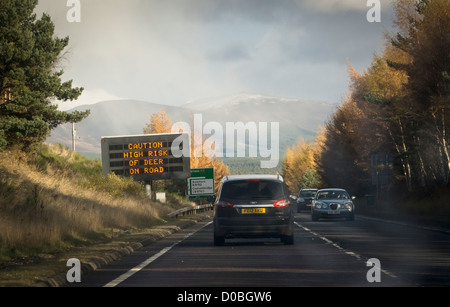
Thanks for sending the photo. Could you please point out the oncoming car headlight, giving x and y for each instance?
(320, 206)
(348, 207)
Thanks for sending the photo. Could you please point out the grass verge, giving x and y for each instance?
(33, 270)
(53, 200)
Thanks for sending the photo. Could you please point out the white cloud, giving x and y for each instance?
(86, 98)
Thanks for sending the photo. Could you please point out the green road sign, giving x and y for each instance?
(201, 183)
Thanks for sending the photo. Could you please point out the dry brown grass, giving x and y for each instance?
(56, 198)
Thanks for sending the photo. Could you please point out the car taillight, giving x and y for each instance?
(224, 204)
(282, 203)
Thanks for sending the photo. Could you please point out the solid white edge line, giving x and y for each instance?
(142, 265)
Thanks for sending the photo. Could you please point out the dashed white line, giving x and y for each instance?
(350, 253)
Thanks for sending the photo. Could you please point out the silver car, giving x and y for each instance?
(330, 203)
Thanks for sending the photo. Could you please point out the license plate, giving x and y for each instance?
(334, 212)
(253, 210)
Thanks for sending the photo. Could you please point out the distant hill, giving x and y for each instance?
(111, 118)
(297, 118)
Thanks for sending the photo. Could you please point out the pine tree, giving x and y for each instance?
(29, 80)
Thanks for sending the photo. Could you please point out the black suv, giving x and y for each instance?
(305, 198)
(253, 206)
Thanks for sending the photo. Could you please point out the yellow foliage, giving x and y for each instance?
(159, 123)
(299, 159)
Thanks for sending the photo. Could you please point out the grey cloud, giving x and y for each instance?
(334, 6)
(232, 52)
(188, 49)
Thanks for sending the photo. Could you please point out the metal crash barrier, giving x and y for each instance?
(191, 210)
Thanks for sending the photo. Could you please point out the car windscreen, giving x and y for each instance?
(252, 189)
(332, 194)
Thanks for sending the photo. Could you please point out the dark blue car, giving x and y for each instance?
(251, 206)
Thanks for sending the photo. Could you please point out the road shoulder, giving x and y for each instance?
(49, 270)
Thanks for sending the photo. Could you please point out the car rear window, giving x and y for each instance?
(308, 193)
(252, 189)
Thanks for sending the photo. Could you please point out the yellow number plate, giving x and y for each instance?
(253, 210)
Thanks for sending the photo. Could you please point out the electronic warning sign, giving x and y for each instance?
(147, 157)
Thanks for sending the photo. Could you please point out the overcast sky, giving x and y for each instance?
(175, 51)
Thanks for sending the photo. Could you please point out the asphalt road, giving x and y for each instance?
(327, 253)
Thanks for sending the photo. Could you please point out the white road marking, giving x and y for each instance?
(350, 253)
(142, 265)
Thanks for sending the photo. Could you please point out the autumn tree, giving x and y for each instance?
(299, 166)
(341, 162)
(29, 78)
(420, 51)
(387, 127)
(426, 41)
(159, 123)
(399, 106)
